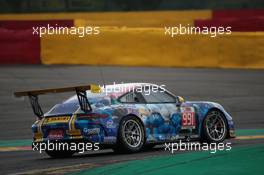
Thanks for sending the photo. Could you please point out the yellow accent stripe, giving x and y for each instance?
(95, 88)
(39, 134)
(76, 133)
(72, 122)
(39, 125)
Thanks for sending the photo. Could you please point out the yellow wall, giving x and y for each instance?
(142, 41)
(150, 47)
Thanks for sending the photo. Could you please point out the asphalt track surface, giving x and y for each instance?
(239, 91)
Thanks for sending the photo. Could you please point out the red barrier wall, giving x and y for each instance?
(241, 25)
(26, 24)
(19, 47)
(240, 13)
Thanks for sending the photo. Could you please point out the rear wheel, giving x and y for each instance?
(59, 154)
(214, 127)
(131, 135)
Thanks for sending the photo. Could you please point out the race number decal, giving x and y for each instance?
(188, 118)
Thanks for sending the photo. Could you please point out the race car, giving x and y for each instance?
(126, 117)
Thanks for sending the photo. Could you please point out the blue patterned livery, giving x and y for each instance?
(127, 117)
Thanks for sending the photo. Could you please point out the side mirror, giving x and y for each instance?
(179, 100)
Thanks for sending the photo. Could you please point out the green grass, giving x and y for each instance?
(249, 132)
(25, 142)
(238, 161)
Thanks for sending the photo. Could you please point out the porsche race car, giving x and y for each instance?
(126, 117)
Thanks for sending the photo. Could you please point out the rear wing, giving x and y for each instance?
(80, 92)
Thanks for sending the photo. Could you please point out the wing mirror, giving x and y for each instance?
(179, 100)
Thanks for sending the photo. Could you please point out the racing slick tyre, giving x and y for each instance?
(214, 127)
(59, 154)
(131, 135)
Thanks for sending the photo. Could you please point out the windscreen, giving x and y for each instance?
(71, 105)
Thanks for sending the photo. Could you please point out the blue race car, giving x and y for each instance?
(126, 117)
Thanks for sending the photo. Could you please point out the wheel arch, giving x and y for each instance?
(225, 118)
(133, 115)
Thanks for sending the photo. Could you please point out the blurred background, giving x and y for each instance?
(132, 33)
(26, 6)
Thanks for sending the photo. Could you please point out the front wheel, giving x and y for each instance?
(214, 127)
(131, 135)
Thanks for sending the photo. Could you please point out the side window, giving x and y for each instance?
(130, 97)
(159, 97)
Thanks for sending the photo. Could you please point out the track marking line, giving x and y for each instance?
(250, 137)
(59, 170)
(28, 148)
(15, 148)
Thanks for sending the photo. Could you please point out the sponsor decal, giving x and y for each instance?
(109, 139)
(63, 119)
(110, 124)
(174, 137)
(91, 131)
